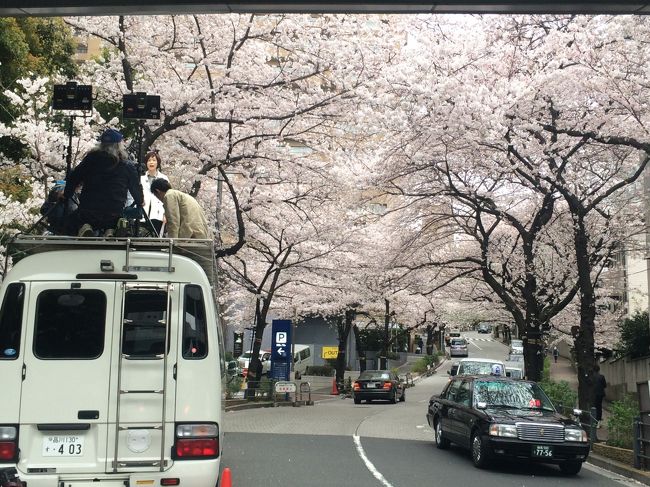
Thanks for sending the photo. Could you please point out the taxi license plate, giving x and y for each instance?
(63, 446)
(543, 451)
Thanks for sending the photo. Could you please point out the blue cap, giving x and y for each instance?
(111, 136)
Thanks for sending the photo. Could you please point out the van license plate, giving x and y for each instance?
(63, 446)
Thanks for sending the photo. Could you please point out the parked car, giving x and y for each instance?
(496, 417)
(484, 328)
(481, 366)
(245, 358)
(514, 370)
(515, 357)
(516, 346)
(458, 347)
(451, 334)
(378, 384)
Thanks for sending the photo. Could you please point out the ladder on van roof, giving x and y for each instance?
(162, 392)
(200, 251)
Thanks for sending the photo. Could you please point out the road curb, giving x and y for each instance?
(619, 468)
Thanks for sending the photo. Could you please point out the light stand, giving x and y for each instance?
(72, 97)
(141, 107)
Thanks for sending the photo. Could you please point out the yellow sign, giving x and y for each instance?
(330, 352)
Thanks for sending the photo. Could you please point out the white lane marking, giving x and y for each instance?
(373, 470)
(476, 345)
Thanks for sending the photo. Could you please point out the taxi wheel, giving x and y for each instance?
(479, 451)
(441, 442)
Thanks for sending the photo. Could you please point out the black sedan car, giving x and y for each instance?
(378, 384)
(497, 417)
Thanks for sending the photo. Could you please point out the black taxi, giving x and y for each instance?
(498, 417)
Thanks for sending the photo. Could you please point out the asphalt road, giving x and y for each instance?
(337, 443)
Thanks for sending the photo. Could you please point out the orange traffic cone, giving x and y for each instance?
(335, 390)
(226, 479)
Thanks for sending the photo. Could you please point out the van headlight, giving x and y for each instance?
(507, 430)
(575, 434)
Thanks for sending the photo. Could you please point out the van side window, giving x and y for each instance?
(70, 324)
(145, 318)
(195, 337)
(11, 320)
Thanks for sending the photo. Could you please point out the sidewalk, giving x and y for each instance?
(563, 371)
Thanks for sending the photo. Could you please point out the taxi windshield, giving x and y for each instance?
(511, 394)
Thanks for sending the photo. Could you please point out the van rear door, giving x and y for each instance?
(64, 399)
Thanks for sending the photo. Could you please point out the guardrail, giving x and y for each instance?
(641, 442)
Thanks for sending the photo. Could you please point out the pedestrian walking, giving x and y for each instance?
(106, 176)
(153, 207)
(185, 217)
(599, 393)
(556, 353)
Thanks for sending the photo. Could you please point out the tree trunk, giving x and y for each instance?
(255, 365)
(430, 339)
(343, 328)
(384, 360)
(534, 353)
(584, 341)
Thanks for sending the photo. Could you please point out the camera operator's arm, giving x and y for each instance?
(74, 179)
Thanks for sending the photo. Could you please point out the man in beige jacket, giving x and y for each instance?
(185, 218)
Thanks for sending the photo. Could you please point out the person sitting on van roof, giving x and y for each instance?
(185, 217)
(106, 175)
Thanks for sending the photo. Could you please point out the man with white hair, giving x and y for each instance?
(106, 175)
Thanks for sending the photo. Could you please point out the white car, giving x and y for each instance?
(481, 366)
(245, 358)
(516, 346)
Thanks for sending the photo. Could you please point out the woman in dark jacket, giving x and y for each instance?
(105, 175)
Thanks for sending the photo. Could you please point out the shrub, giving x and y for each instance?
(620, 424)
(635, 335)
(560, 393)
(320, 370)
(420, 367)
(234, 386)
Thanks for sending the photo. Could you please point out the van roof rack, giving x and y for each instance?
(200, 251)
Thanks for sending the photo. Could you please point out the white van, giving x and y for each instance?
(302, 358)
(111, 363)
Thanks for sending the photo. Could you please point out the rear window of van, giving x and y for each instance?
(70, 324)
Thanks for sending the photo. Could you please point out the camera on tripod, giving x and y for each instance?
(141, 106)
(72, 96)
